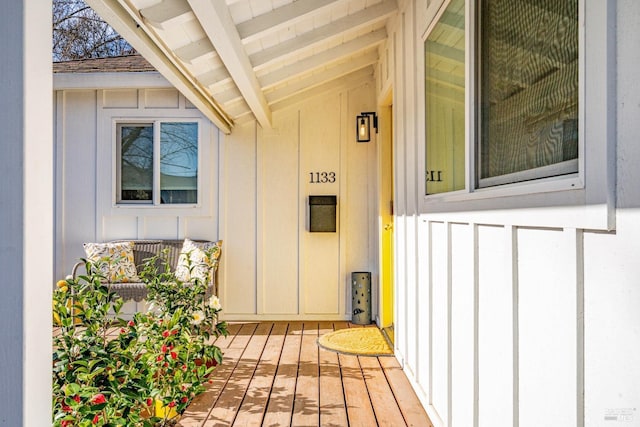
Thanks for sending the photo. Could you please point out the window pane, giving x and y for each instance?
(529, 89)
(445, 89)
(136, 163)
(179, 162)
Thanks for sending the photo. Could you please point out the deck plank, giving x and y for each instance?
(359, 408)
(385, 408)
(280, 407)
(255, 401)
(408, 402)
(226, 407)
(201, 406)
(333, 411)
(306, 403)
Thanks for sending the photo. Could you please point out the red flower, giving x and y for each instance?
(164, 348)
(166, 364)
(172, 404)
(175, 331)
(66, 423)
(96, 419)
(76, 398)
(184, 399)
(159, 358)
(122, 331)
(98, 399)
(174, 355)
(149, 401)
(165, 333)
(66, 408)
(131, 323)
(184, 368)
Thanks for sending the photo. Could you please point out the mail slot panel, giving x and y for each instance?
(322, 214)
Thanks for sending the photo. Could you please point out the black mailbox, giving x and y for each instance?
(322, 214)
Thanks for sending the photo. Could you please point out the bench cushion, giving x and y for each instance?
(114, 260)
(197, 261)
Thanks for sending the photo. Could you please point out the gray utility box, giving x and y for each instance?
(361, 297)
(322, 214)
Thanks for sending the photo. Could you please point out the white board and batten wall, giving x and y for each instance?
(274, 267)
(522, 309)
(253, 193)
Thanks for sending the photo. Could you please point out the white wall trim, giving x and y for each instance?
(121, 80)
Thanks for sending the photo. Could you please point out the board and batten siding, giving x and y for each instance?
(502, 322)
(254, 190)
(85, 167)
(274, 267)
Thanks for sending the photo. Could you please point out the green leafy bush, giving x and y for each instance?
(108, 371)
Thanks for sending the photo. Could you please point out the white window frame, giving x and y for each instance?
(155, 122)
(585, 199)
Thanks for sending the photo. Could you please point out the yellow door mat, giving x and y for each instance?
(356, 341)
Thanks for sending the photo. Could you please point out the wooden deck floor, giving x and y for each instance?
(274, 374)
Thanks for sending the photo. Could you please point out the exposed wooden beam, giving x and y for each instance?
(281, 17)
(195, 51)
(215, 18)
(307, 40)
(323, 77)
(323, 59)
(167, 13)
(349, 80)
(128, 23)
(214, 76)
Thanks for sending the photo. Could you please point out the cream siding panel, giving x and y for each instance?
(161, 227)
(424, 335)
(120, 98)
(119, 227)
(76, 181)
(319, 252)
(201, 228)
(239, 201)
(161, 98)
(612, 321)
(462, 319)
(547, 320)
(358, 199)
(282, 219)
(440, 319)
(495, 329)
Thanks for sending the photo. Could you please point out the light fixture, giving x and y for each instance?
(363, 126)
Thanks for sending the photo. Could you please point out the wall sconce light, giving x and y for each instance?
(363, 126)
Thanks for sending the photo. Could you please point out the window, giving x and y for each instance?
(157, 163)
(528, 90)
(526, 65)
(444, 73)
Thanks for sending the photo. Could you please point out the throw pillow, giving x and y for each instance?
(113, 260)
(198, 260)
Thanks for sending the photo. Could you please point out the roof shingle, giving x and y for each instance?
(115, 64)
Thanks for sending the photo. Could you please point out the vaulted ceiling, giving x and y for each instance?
(240, 59)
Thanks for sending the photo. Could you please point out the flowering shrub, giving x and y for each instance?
(101, 379)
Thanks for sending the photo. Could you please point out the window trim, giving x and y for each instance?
(585, 199)
(156, 124)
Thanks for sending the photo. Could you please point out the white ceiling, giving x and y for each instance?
(241, 59)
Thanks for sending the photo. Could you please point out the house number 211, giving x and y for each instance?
(322, 177)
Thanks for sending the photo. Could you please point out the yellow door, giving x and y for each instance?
(386, 219)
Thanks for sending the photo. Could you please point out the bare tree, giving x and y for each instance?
(79, 33)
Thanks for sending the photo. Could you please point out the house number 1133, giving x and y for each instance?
(322, 177)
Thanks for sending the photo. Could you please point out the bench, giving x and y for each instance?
(145, 249)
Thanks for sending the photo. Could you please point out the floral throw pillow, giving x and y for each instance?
(198, 261)
(114, 260)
